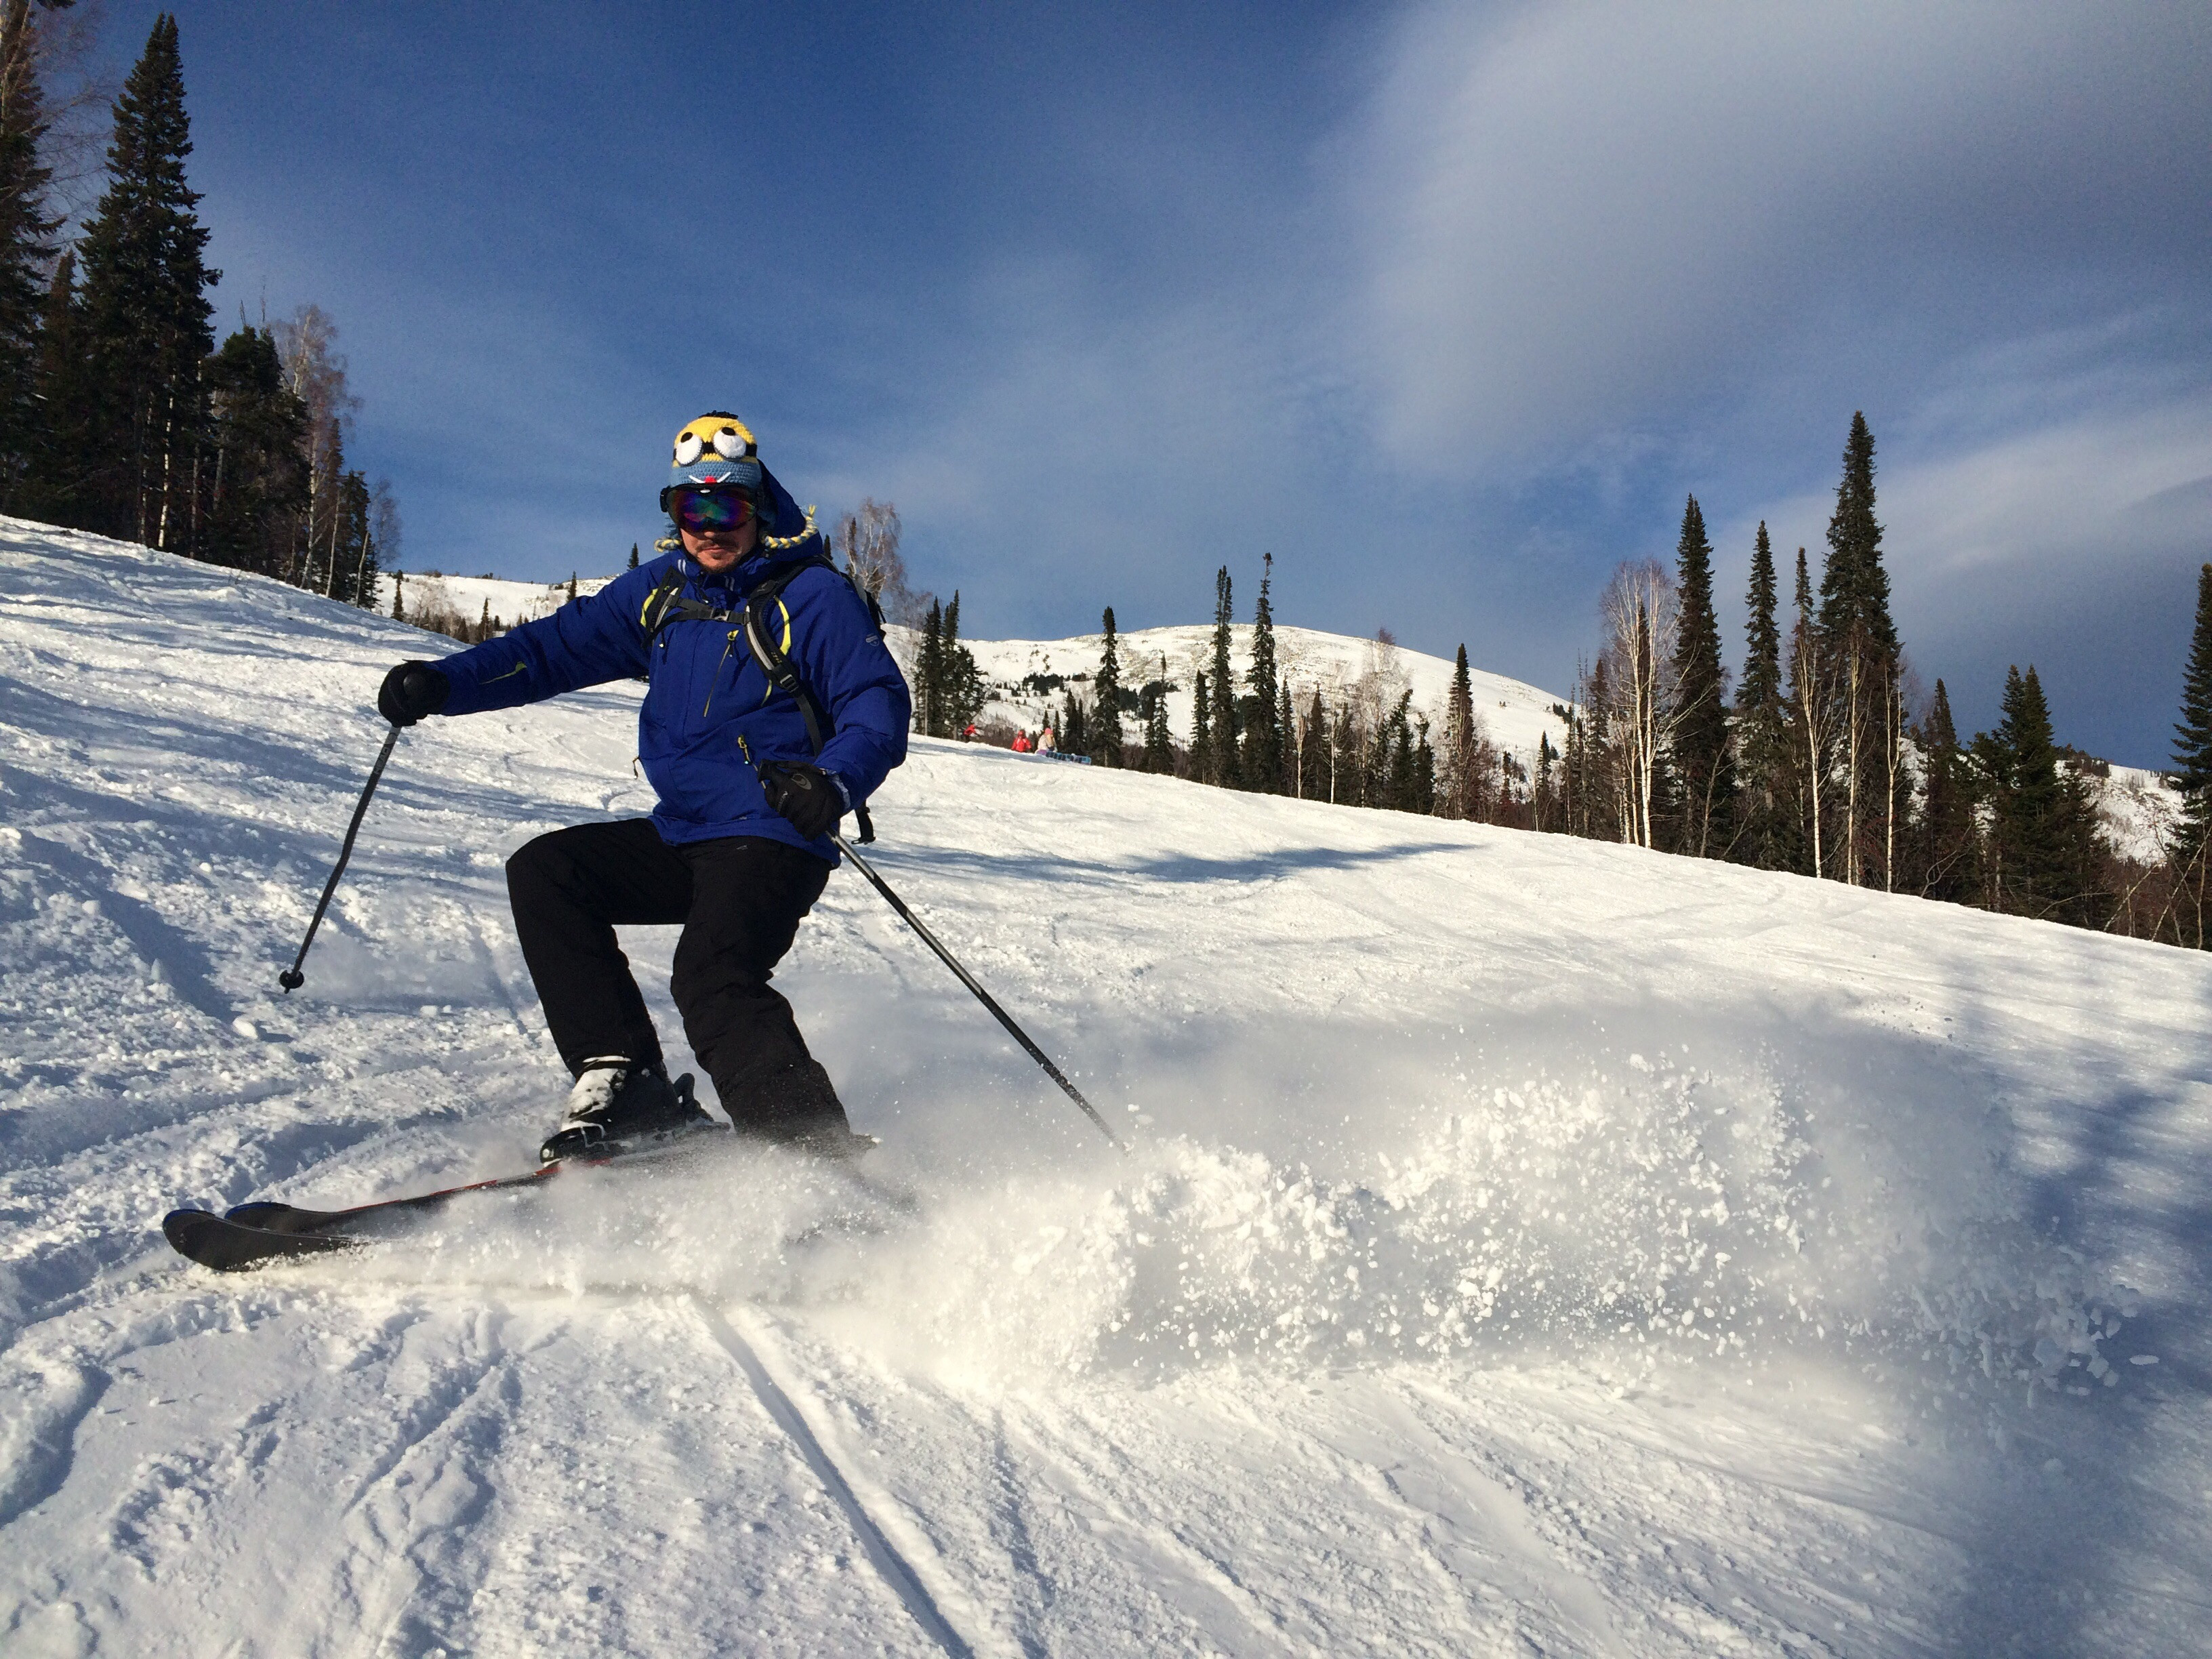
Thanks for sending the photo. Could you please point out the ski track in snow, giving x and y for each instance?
(1530, 1246)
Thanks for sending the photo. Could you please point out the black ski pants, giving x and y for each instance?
(739, 901)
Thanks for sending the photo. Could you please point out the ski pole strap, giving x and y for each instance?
(292, 979)
(981, 995)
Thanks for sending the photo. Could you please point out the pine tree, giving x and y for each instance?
(960, 682)
(1223, 752)
(1201, 731)
(1762, 726)
(1075, 725)
(1423, 796)
(257, 476)
(1393, 785)
(1949, 850)
(633, 556)
(1106, 723)
(1317, 752)
(399, 596)
(145, 314)
(929, 669)
(1159, 742)
(1543, 793)
(1704, 769)
(26, 244)
(1860, 639)
(2193, 735)
(1456, 764)
(2028, 802)
(1263, 739)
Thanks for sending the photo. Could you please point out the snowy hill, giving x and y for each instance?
(1025, 676)
(1528, 1245)
(473, 598)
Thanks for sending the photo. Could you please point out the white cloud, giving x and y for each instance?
(1575, 217)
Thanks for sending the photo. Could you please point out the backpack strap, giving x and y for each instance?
(777, 664)
(667, 603)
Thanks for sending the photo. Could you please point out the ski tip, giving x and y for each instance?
(225, 1246)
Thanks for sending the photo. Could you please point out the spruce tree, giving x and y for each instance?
(1201, 731)
(1456, 793)
(1159, 742)
(2027, 801)
(959, 682)
(1949, 851)
(1762, 727)
(1106, 723)
(256, 467)
(1315, 781)
(26, 245)
(1222, 753)
(1075, 725)
(2193, 735)
(633, 556)
(145, 313)
(1704, 769)
(1393, 785)
(1861, 641)
(399, 596)
(929, 669)
(1263, 738)
(58, 465)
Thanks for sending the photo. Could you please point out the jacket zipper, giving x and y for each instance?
(729, 646)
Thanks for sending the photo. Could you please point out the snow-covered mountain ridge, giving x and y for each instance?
(1529, 1244)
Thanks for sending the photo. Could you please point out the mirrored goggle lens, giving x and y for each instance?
(702, 512)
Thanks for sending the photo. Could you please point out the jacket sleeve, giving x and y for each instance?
(588, 641)
(841, 656)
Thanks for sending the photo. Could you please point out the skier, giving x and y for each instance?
(753, 774)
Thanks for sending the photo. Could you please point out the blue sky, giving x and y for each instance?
(1447, 307)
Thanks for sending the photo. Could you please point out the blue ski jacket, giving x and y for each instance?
(710, 715)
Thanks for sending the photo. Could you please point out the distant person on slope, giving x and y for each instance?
(739, 848)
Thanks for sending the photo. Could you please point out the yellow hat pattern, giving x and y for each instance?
(724, 435)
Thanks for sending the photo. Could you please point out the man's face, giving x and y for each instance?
(717, 551)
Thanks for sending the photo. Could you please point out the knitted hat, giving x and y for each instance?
(715, 449)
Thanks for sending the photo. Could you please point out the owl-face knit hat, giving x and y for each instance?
(717, 448)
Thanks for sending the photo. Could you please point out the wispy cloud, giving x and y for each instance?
(1587, 216)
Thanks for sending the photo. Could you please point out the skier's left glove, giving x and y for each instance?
(810, 798)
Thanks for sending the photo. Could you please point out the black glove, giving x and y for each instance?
(411, 691)
(805, 794)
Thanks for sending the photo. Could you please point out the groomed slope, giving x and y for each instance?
(1527, 1246)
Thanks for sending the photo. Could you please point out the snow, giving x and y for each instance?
(1514, 714)
(1528, 1245)
(473, 598)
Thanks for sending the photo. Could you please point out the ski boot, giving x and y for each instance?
(617, 1104)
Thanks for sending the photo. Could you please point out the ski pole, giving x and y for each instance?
(292, 979)
(981, 995)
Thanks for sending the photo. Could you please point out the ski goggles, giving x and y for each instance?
(710, 512)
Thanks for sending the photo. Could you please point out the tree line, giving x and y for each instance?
(118, 413)
(1828, 761)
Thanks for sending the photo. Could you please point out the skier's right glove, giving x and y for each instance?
(411, 691)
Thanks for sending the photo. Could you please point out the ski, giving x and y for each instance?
(248, 1235)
